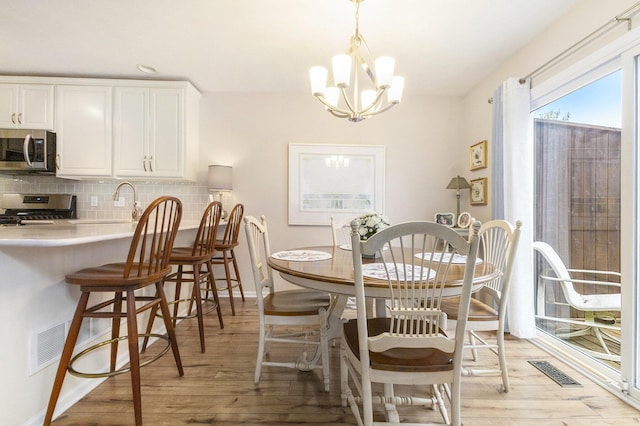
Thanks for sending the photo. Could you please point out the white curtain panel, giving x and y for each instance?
(513, 193)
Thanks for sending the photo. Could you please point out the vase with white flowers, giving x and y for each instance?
(371, 223)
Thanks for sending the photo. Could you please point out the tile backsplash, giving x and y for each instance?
(194, 196)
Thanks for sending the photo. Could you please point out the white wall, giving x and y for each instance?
(583, 19)
(251, 132)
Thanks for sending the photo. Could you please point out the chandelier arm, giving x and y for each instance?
(386, 108)
(355, 48)
(375, 103)
(333, 108)
(338, 114)
(346, 99)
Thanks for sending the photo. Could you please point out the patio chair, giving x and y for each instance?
(599, 307)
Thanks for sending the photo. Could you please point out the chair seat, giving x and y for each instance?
(398, 359)
(185, 254)
(112, 275)
(221, 245)
(295, 302)
(478, 311)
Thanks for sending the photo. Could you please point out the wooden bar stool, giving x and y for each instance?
(224, 253)
(147, 264)
(196, 258)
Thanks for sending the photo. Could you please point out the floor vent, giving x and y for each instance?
(556, 375)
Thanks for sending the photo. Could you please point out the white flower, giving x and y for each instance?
(371, 223)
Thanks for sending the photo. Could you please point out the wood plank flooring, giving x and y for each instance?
(218, 388)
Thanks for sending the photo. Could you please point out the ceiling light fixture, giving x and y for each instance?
(146, 69)
(368, 102)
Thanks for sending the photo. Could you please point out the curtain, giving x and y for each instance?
(513, 192)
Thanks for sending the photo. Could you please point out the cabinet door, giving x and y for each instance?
(166, 136)
(35, 106)
(8, 105)
(83, 126)
(131, 131)
(26, 106)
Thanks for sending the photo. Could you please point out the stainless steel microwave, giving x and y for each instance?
(27, 151)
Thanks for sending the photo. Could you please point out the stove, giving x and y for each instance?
(21, 209)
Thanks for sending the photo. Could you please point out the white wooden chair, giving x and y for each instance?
(487, 312)
(340, 232)
(410, 347)
(600, 308)
(305, 308)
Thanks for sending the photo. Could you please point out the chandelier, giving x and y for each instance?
(368, 102)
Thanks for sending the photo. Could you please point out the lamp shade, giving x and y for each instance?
(458, 182)
(220, 178)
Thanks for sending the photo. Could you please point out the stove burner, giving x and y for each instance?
(9, 220)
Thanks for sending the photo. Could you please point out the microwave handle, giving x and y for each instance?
(25, 150)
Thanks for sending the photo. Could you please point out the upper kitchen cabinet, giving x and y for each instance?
(26, 106)
(84, 131)
(156, 131)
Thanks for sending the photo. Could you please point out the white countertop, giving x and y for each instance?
(65, 232)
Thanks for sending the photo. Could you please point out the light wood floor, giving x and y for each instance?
(218, 388)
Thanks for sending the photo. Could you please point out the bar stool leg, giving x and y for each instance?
(115, 330)
(225, 260)
(198, 297)
(211, 285)
(235, 268)
(134, 355)
(67, 351)
(166, 316)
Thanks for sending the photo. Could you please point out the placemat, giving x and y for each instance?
(377, 270)
(457, 258)
(302, 255)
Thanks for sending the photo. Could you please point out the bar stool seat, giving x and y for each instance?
(147, 264)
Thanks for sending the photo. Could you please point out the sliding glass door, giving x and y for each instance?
(577, 185)
(586, 134)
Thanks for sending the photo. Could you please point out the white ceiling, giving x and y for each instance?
(442, 47)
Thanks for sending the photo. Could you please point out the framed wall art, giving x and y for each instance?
(478, 191)
(478, 156)
(342, 181)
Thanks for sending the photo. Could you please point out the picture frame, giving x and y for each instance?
(478, 192)
(478, 156)
(446, 219)
(464, 220)
(342, 181)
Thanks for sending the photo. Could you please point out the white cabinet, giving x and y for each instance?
(84, 131)
(148, 132)
(153, 134)
(27, 106)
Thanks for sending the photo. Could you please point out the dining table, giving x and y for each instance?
(330, 269)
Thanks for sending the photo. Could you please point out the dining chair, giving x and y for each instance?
(410, 347)
(488, 309)
(197, 259)
(225, 254)
(593, 309)
(304, 308)
(146, 264)
(340, 231)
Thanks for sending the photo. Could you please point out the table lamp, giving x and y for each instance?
(458, 183)
(219, 180)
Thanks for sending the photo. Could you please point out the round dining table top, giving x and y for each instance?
(335, 274)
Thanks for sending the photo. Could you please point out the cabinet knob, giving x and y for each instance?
(20, 118)
(13, 118)
(151, 164)
(144, 163)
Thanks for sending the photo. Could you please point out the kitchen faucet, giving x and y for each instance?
(137, 210)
